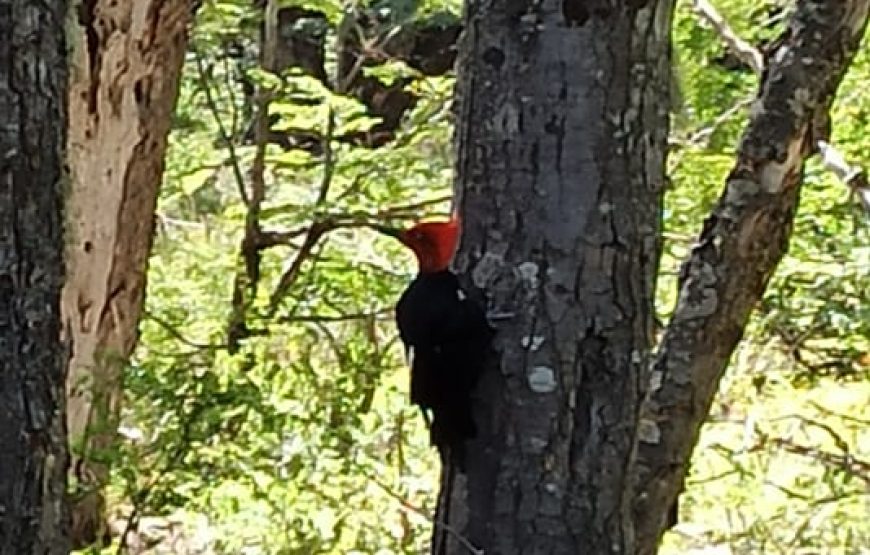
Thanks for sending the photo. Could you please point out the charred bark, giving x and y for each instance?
(562, 122)
(33, 457)
(126, 61)
(741, 244)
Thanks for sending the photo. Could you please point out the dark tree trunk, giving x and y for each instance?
(562, 120)
(33, 459)
(561, 130)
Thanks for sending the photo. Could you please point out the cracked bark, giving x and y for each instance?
(125, 63)
(741, 244)
(33, 458)
(562, 122)
(561, 127)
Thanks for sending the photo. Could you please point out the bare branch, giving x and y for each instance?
(847, 417)
(700, 135)
(407, 505)
(747, 53)
(853, 177)
(322, 319)
(226, 137)
(410, 210)
(331, 222)
(174, 332)
(841, 461)
(315, 232)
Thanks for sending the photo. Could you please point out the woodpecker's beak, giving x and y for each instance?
(386, 230)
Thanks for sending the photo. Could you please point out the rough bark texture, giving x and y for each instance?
(126, 61)
(33, 459)
(741, 244)
(562, 126)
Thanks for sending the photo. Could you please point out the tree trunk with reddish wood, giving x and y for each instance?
(126, 60)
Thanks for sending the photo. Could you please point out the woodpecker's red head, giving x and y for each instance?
(433, 243)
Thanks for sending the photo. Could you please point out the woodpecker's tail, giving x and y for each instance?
(451, 427)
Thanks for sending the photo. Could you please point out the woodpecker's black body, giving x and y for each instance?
(448, 337)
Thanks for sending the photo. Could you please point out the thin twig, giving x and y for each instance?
(226, 138)
(317, 318)
(407, 505)
(411, 209)
(328, 157)
(173, 331)
(713, 478)
(331, 222)
(848, 417)
(697, 137)
(705, 132)
(846, 462)
(315, 232)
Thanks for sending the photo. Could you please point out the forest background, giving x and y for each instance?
(282, 425)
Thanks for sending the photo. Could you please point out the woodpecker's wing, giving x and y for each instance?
(448, 337)
(435, 311)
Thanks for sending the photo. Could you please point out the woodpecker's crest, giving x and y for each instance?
(433, 243)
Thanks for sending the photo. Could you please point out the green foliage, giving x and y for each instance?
(303, 441)
(777, 469)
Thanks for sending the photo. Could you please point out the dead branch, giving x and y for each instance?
(853, 177)
(317, 230)
(348, 317)
(175, 332)
(842, 461)
(747, 53)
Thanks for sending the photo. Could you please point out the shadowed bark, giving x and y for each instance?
(562, 122)
(585, 436)
(33, 453)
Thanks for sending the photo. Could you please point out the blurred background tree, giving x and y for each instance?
(265, 409)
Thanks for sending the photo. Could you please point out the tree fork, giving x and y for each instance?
(740, 246)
